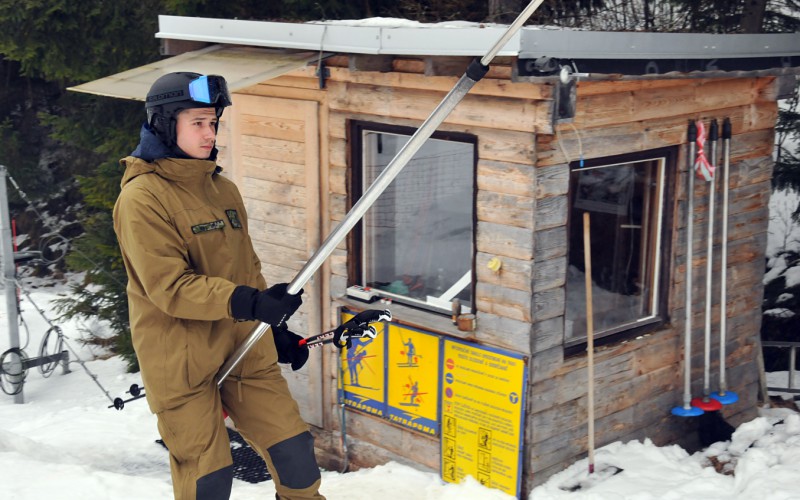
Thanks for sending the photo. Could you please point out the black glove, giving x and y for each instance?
(272, 306)
(289, 350)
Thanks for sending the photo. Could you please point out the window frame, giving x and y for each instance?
(355, 239)
(662, 317)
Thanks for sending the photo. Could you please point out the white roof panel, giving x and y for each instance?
(241, 66)
(403, 37)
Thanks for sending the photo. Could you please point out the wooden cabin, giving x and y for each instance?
(477, 248)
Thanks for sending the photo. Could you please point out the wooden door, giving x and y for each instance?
(272, 147)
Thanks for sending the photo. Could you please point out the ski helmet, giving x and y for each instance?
(174, 92)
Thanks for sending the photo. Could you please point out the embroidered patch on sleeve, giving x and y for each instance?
(208, 226)
(233, 216)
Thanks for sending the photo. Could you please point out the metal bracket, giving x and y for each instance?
(323, 73)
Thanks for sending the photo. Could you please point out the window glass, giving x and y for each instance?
(418, 236)
(625, 206)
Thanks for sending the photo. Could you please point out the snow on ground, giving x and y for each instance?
(65, 443)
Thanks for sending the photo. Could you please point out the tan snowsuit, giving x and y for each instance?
(182, 230)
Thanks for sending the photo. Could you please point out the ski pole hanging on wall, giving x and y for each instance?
(687, 410)
(724, 396)
(706, 170)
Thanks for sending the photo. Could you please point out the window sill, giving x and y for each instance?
(577, 347)
(411, 317)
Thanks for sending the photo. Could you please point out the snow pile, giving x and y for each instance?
(65, 443)
(762, 460)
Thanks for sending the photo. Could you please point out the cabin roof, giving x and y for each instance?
(537, 48)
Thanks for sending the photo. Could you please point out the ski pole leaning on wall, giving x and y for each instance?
(604, 471)
(707, 169)
(724, 396)
(476, 70)
(687, 410)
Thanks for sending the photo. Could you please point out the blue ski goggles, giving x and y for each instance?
(211, 90)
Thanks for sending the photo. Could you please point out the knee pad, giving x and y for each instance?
(215, 486)
(294, 461)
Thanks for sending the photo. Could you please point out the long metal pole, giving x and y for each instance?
(712, 138)
(723, 301)
(9, 273)
(687, 340)
(587, 261)
(474, 73)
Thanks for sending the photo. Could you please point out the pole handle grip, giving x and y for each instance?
(713, 133)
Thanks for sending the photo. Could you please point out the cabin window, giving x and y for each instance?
(415, 244)
(626, 200)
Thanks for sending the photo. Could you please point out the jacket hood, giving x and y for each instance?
(173, 169)
(153, 156)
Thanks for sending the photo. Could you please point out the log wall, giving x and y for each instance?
(639, 381)
(522, 187)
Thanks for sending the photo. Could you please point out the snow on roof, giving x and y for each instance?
(394, 22)
(394, 36)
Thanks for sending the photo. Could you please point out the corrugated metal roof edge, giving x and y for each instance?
(473, 41)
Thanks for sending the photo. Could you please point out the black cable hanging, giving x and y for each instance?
(55, 234)
(14, 362)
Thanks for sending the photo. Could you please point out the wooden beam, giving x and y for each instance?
(446, 66)
(486, 86)
(619, 138)
(494, 145)
(506, 113)
(363, 62)
(171, 47)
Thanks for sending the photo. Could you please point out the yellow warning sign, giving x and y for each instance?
(482, 411)
(362, 381)
(413, 386)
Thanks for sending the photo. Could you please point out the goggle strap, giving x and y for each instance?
(204, 90)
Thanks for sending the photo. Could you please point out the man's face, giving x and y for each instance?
(196, 131)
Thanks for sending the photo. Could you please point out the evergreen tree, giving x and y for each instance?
(786, 175)
(108, 131)
(63, 146)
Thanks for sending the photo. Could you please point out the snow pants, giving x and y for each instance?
(267, 417)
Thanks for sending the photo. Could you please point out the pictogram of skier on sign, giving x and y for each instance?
(414, 395)
(356, 355)
(411, 355)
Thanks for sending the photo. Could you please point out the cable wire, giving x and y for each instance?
(63, 340)
(54, 230)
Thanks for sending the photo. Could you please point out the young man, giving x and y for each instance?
(194, 289)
